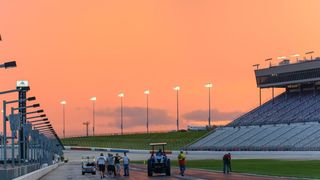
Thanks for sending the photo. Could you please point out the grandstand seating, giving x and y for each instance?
(285, 108)
(291, 121)
(295, 136)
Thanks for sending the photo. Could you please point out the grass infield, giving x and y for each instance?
(175, 140)
(287, 168)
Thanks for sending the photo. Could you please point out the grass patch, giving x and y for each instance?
(175, 140)
(287, 168)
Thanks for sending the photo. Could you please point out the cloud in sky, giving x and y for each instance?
(136, 116)
(216, 115)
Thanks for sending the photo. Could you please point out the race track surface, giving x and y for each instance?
(72, 170)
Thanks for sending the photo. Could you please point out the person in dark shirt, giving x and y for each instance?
(225, 163)
(229, 162)
(117, 159)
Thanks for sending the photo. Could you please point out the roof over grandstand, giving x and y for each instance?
(301, 72)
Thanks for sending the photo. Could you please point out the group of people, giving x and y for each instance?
(114, 167)
(113, 164)
(226, 163)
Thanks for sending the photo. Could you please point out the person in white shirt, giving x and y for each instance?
(111, 168)
(101, 162)
(126, 162)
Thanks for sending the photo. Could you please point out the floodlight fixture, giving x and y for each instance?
(31, 98)
(10, 64)
(296, 56)
(281, 57)
(36, 105)
(177, 88)
(309, 52)
(147, 91)
(63, 102)
(208, 85)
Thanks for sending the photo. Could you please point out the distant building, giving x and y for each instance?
(197, 128)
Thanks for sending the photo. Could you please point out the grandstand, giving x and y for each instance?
(288, 122)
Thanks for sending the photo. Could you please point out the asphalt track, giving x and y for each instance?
(72, 170)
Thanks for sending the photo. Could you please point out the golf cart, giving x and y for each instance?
(158, 162)
(88, 165)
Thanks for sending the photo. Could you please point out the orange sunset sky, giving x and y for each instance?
(75, 49)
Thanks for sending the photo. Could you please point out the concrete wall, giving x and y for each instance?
(12, 172)
(38, 173)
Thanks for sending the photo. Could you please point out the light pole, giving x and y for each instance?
(4, 133)
(209, 86)
(63, 103)
(121, 95)
(147, 92)
(93, 99)
(87, 126)
(269, 59)
(177, 89)
(296, 56)
(5, 103)
(310, 52)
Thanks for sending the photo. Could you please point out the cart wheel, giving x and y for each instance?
(149, 168)
(83, 173)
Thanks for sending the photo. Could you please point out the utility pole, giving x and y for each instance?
(87, 127)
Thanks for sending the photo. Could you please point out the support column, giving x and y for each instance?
(259, 96)
(272, 95)
(22, 111)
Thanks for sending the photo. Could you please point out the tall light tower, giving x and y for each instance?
(121, 95)
(209, 86)
(87, 127)
(177, 89)
(93, 99)
(63, 117)
(147, 92)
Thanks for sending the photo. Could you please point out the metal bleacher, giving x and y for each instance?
(296, 136)
(289, 121)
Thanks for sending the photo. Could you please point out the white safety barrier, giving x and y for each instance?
(39, 173)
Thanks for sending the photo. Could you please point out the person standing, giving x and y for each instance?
(225, 163)
(101, 162)
(111, 168)
(229, 162)
(126, 162)
(117, 159)
(182, 162)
